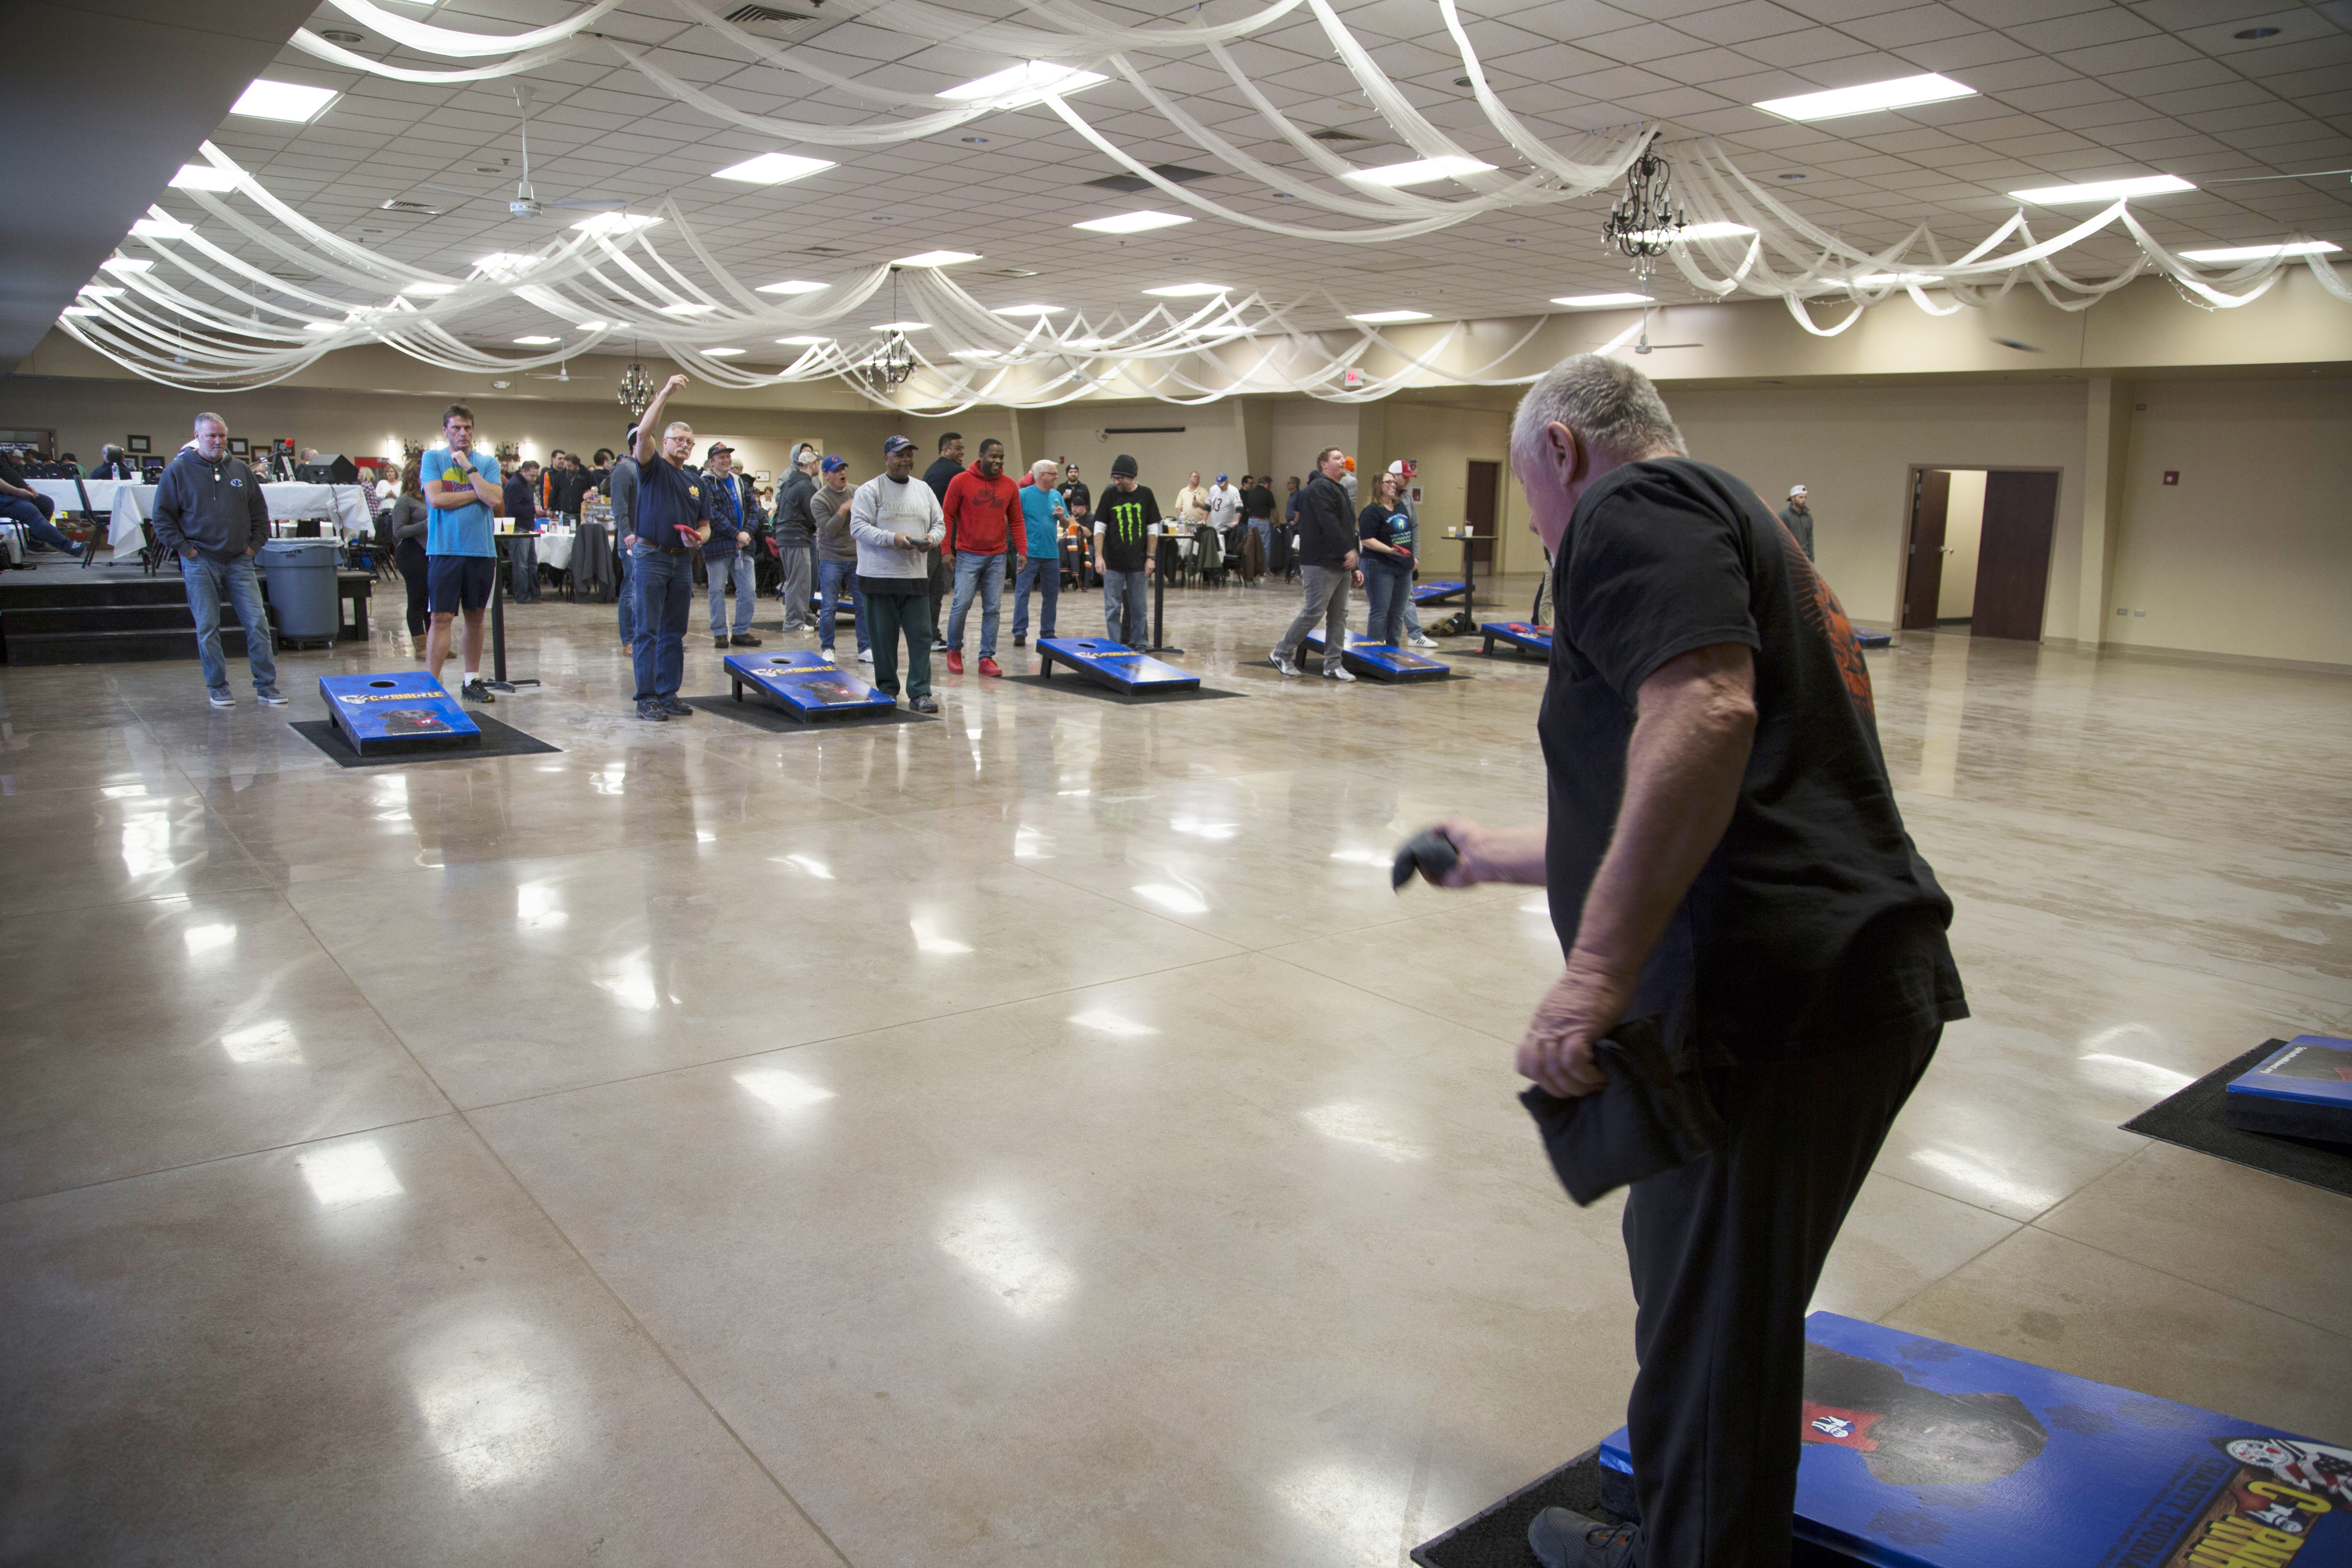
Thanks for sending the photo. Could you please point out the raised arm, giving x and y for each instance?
(649, 425)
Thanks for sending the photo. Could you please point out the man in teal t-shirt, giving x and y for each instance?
(461, 554)
(1042, 516)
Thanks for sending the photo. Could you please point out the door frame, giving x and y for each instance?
(1903, 533)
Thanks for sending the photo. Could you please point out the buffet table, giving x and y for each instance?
(132, 504)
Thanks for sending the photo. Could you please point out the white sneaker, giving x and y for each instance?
(1336, 672)
(1282, 664)
(867, 657)
(1418, 640)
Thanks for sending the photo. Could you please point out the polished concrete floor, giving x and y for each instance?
(1038, 1136)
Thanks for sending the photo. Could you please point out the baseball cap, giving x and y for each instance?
(834, 465)
(1797, 489)
(897, 444)
(1220, 479)
(630, 440)
(717, 448)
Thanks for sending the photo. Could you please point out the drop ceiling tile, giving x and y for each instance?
(1704, 68)
(1632, 46)
(2002, 76)
(2266, 62)
(2014, 14)
(1808, 46)
(1742, 22)
(2180, 77)
(1958, 56)
(1916, 24)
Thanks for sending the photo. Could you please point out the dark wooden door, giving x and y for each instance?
(1479, 492)
(2021, 517)
(1923, 569)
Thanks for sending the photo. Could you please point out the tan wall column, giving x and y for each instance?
(2106, 448)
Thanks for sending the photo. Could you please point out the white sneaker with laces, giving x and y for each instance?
(1336, 672)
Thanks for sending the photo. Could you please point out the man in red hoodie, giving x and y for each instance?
(983, 517)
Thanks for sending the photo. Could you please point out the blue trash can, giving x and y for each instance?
(301, 577)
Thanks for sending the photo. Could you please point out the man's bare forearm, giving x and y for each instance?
(1691, 741)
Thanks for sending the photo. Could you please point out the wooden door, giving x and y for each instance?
(2021, 518)
(1923, 566)
(1479, 493)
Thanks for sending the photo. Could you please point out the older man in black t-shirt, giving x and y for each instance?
(1724, 856)
(672, 516)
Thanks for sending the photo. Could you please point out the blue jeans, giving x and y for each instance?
(665, 592)
(740, 567)
(832, 577)
(1390, 592)
(628, 595)
(983, 574)
(1124, 616)
(205, 579)
(1044, 573)
(40, 533)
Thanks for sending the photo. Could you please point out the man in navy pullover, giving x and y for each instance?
(209, 511)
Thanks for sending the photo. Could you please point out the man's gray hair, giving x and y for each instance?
(1042, 466)
(1612, 407)
(204, 420)
(674, 427)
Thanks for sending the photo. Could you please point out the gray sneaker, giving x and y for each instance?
(222, 697)
(1283, 665)
(1337, 672)
(926, 703)
(675, 708)
(269, 697)
(652, 712)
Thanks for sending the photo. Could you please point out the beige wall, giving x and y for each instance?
(1963, 532)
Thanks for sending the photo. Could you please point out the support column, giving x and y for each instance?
(1027, 440)
(2106, 450)
(1258, 433)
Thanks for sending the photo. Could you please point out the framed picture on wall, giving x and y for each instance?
(238, 446)
(136, 443)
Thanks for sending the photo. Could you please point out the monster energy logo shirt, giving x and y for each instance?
(1124, 523)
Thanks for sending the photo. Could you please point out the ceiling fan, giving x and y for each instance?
(526, 203)
(1643, 344)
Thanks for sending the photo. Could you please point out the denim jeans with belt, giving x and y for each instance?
(207, 581)
(665, 589)
(745, 572)
(1044, 573)
(832, 577)
(983, 575)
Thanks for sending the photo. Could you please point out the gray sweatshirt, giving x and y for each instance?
(214, 508)
(881, 507)
(624, 499)
(829, 512)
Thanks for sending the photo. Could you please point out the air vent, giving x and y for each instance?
(1010, 272)
(1332, 133)
(341, 35)
(823, 250)
(744, 14)
(1175, 174)
(417, 208)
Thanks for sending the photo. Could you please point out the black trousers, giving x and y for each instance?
(1725, 1256)
(409, 556)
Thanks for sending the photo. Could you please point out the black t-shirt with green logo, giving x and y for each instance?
(1124, 522)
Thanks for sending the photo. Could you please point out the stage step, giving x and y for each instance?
(116, 647)
(169, 615)
(78, 590)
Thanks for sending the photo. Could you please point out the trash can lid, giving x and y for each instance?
(300, 552)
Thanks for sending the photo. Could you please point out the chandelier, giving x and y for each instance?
(896, 362)
(1647, 221)
(636, 391)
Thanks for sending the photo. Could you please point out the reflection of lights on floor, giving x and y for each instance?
(1110, 1023)
(1364, 857)
(487, 1408)
(204, 939)
(808, 863)
(1360, 1515)
(988, 1238)
(537, 906)
(784, 1090)
(701, 837)
(2130, 1072)
(634, 986)
(123, 792)
(1200, 829)
(1174, 899)
(1028, 843)
(349, 1174)
(1361, 1124)
(1538, 905)
(264, 1044)
(929, 940)
(1984, 1176)
(147, 844)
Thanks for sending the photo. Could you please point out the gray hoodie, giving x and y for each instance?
(216, 509)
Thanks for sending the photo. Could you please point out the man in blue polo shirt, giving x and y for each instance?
(673, 522)
(1043, 513)
(461, 557)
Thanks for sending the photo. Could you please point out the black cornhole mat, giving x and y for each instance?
(2198, 1117)
(499, 739)
(1086, 687)
(761, 714)
(1312, 669)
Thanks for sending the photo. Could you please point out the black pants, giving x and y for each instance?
(409, 556)
(1725, 1255)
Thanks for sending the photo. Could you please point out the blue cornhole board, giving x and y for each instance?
(386, 715)
(1114, 665)
(1874, 640)
(1519, 635)
(845, 607)
(1437, 593)
(2304, 1090)
(1382, 661)
(805, 684)
(1920, 1453)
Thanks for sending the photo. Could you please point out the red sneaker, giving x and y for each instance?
(955, 662)
(989, 666)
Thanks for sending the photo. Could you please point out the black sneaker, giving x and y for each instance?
(718, 642)
(743, 639)
(475, 691)
(1563, 1538)
(675, 709)
(652, 713)
(1020, 639)
(926, 703)
(269, 697)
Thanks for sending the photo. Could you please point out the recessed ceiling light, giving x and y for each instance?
(126, 264)
(1593, 302)
(773, 169)
(938, 258)
(162, 228)
(502, 385)
(489, 169)
(593, 326)
(1017, 87)
(2102, 190)
(203, 177)
(792, 286)
(429, 288)
(1188, 291)
(2263, 252)
(1900, 93)
(1026, 309)
(722, 354)
(686, 310)
(283, 101)
(99, 290)
(615, 222)
(1382, 318)
(1284, 196)
(341, 35)
(1461, 82)
(2251, 34)
(1420, 172)
(803, 340)
(902, 327)
(1515, 239)
(536, 338)
(1131, 222)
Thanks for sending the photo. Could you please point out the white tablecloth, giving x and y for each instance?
(132, 504)
(555, 549)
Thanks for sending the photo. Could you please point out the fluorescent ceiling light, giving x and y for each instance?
(162, 228)
(1188, 291)
(1131, 222)
(615, 222)
(2263, 252)
(2102, 190)
(903, 326)
(792, 286)
(1593, 302)
(283, 101)
(687, 310)
(538, 337)
(99, 290)
(126, 264)
(773, 169)
(593, 326)
(1033, 81)
(81, 311)
(1694, 231)
(938, 258)
(1025, 311)
(1900, 93)
(803, 341)
(434, 289)
(203, 177)
(722, 354)
(1382, 318)
(1420, 172)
